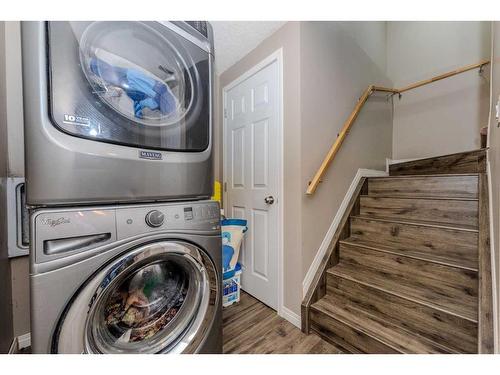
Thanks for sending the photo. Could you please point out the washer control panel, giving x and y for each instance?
(197, 216)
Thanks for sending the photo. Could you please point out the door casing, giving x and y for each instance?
(277, 57)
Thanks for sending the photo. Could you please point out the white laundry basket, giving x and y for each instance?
(231, 284)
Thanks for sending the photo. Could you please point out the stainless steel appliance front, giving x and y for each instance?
(104, 280)
(117, 111)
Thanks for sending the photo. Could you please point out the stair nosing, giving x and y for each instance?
(357, 328)
(400, 253)
(334, 272)
(415, 223)
(383, 340)
(422, 197)
(426, 175)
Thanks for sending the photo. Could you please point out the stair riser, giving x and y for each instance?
(441, 286)
(428, 186)
(456, 333)
(446, 243)
(345, 336)
(460, 212)
(464, 162)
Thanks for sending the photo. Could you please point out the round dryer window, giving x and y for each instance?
(159, 298)
(137, 72)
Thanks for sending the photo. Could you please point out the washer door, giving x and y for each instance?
(159, 298)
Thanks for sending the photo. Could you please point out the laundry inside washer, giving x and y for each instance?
(144, 303)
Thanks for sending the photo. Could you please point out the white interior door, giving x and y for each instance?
(252, 176)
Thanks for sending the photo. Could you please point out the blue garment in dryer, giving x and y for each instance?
(145, 91)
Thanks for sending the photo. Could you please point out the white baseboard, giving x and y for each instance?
(24, 341)
(289, 315)
(396, 161)
(13, 346)
(20, 342)
(313, 268)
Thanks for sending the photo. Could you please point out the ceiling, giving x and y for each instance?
(234, 39)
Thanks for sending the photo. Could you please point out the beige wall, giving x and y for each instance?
(323, 60)
(19, 271)
(444, 117)
(335, 71)
(494, 159)
(5, 288)
(15, 321)
(14, 101)
(287, 37)
(371, 36)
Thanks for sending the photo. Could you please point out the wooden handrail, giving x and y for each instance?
(313, 185)
(443, 76)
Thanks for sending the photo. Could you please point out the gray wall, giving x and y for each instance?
(494, 159)
(335, 71)
(5, 285)
(444, 117)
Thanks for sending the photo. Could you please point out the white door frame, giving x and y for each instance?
(278, 57)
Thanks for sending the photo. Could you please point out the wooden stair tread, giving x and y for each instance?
(429, 197)
(424, 175)
(434, 325)
(424, 291)
(355, 316)
(451, 212)
(447, 186)
(423, 223)
(473, 161)
(447, 242)
(408, 252)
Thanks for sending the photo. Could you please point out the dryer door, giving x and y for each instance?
(139, 84)
(159, 298)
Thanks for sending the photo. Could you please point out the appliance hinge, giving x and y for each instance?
(225, 112)
(225, 186)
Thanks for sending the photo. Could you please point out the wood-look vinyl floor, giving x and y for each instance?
(250, 327)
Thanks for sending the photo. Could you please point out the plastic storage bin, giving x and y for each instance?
(231, 286)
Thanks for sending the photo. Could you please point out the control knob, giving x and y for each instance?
(155, 218)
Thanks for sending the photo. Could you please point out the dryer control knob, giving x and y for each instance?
(155, 218)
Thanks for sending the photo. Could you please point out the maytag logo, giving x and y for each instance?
(151, 155)
(56, 222)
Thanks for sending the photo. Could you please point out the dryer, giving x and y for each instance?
(126, 279)
(117, 111)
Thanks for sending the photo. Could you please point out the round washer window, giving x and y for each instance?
(146, 308)
(137, 72)
(161, 297)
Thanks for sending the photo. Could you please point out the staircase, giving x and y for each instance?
(404, 277)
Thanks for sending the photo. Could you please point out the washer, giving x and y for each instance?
(126, 279)
(117, 111)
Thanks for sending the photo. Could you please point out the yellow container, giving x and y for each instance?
(217, 192)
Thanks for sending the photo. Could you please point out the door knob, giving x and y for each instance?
(269, 199)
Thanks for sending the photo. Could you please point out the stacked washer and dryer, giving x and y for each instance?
(125, 244)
